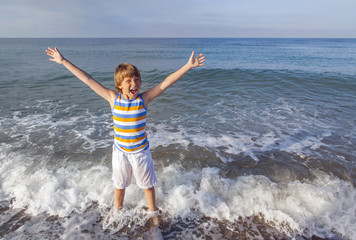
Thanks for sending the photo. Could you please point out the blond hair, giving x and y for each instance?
(125, 70)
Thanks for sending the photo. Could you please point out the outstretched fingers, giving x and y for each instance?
(54, 54)
(197, 61)
(200, 60)
(50, 52)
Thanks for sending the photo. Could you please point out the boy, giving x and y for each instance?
(131, 154)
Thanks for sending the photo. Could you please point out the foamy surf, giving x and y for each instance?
(189, 199)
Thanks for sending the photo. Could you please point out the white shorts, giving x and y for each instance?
(139, 164)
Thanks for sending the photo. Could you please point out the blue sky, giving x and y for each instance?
(179, 18)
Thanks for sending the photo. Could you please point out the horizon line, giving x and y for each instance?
(178, 37)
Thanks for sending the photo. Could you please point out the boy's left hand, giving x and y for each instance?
(55, 54)
(196, 61)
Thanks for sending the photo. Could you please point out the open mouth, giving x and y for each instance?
(133, 91)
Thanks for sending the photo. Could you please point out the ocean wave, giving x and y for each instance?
(321, 205)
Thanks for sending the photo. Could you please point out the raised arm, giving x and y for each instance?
(193, 62)
(102, 91)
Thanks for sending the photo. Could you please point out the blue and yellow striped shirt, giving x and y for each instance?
(129, 124)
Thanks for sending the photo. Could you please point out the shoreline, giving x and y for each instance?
(252, 227)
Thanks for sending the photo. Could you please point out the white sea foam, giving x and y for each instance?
(246, 143)
(319, 206)
(234, 137)
(92, 132)
(57, 192)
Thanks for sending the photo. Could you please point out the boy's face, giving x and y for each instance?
(130, 87)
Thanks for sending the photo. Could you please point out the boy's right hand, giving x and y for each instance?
(55, 54)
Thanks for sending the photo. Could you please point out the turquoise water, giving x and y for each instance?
(266, 128)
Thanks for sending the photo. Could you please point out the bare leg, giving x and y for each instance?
(119, 198)
(151, 201)
(151, 198)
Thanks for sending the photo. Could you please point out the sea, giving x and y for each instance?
(260, 143)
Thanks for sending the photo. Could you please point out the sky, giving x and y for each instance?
(179, 18)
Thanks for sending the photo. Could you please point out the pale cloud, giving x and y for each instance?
(164, 18)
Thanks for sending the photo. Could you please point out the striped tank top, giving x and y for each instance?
(129, 124)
